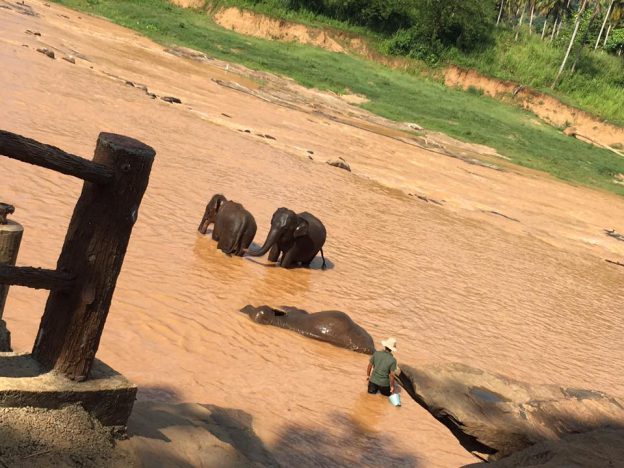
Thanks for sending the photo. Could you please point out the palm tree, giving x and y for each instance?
(554, 8)
(546, 8)
(606, 18)
(500, 12)
(531, 20)
(566, 9)
(567, 54)
(591, 22)
(521, 4)
(617, 14)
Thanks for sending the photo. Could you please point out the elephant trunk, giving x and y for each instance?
(203, 226)
(271, 239)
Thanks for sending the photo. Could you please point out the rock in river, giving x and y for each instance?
(332, 326)
(602, 448)
(496, 416)
(340, 163)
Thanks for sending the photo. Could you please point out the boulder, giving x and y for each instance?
(46, 51)
(494, 416)
(340, 163)
(602, 448)
(171, 99)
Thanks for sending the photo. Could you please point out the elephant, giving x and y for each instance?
(331, 326)
(234, 226)
(299, 237)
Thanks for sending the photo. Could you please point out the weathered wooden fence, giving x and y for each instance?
(82, 285)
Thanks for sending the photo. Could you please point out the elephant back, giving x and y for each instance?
(316, 230)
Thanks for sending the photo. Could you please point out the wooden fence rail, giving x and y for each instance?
(83, 283)
(30, 151)
(36, 278)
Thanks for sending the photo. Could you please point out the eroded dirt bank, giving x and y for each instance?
(544, 106)
(526, 294)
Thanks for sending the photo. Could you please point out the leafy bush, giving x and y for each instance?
(385, 16)
(412, 43)
(440, 26)
(615, 44)
(464, 24)
(419, 28)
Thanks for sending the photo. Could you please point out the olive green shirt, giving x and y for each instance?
(383, 363)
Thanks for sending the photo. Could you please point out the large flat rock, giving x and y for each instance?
(603, 448)
(191, 434)
(495, 416)
(106, 395)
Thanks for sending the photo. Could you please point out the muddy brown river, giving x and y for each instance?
(532, 299)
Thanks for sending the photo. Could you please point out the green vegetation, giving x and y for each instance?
(464, 33)
(393, 94)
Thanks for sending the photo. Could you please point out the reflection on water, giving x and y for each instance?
(367, 412)
(449, 288)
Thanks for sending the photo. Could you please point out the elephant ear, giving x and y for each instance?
(302, 228)
(220, 201)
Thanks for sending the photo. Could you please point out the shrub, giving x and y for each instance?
(615, 44)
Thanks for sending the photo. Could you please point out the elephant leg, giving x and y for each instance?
(237, 248)
(307, 261)
(232, 241)
(248, 236)
(289, 260)
(220, 244)
(215, 233)
(274, 253)
(225, 244)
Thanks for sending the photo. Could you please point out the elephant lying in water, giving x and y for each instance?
(332, 326)
(234, 226)
(299, 237)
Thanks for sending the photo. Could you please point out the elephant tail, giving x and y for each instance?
(324, 263)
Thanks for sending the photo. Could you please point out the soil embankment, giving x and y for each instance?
(544, 106)
(484, 263)
(252, 24)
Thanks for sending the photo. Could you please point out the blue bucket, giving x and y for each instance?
(395, 399)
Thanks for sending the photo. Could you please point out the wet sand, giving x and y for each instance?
(531, 299)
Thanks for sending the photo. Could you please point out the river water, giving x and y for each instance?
(533, 300)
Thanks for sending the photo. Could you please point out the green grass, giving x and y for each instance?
(393, 94)
(597, 86)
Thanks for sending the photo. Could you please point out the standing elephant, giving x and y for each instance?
(234, 226)
(299, 237)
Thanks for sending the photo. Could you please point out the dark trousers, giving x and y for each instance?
(374, 388)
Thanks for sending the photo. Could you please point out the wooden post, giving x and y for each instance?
(10, 239)
(93, 253)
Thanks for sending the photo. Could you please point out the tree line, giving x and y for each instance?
(602, 22)
(427, 29)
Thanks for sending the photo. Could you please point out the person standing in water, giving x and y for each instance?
(383, 365)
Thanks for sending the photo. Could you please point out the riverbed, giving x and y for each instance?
(528, 295)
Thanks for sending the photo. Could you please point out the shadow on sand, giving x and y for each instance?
(189, 434)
